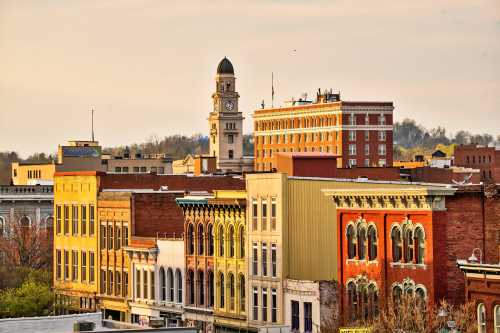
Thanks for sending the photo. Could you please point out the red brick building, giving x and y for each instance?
(487, 159)
(359, 132)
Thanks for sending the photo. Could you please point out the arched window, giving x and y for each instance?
(178, 279)
(170, 283)
(222, 289)
(210, 288)
(408, 244)
(201, 287)
(163, 290)
(372, 243)
(497, 318)
(210, 235)
(3, 227)
(396, 294)
(221, 241)
(48, 223)
(190, 281)
(25, 222)
(373, 300)
(231, 291)
(200, 238)
(242, 242)
(361, 243)
(420, 295)
(352, 300)
(190, 239)
(365, 310)
(231, 241)
(481, 318)
(351, 242)
(419, 245)
(396, 244)
(242, 293)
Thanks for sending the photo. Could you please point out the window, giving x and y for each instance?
(210, 289)
(361, 243)
(230, 154)
(143, 169)
(163, 287)
(66, 219)
(264, 304)
(381, 120)
(58, 219)
(408, 244)
(372, 243)
(230, 139)
(419, 245)
(145, 284)
(125, 236)
(103, 237)
(352, 162)
(242, 242)
(178, 278)
(255, 259)
(103, 281)
(352, 119)
(152, 285)
(136, 169)
(367, 119)
(221, 240)
(125, 284)
(351, 242)
(381, 135)
(381, 149)
(367, 162)
(125, 169)
(91, 220)
(242, 292)
(367, 135)
(352, 149)
(110, 281)
(75, 221)
(382, 163)
(118, 169)
(307, 317)
(210, 235)
(74, 265)
(201, 287)
(118, 237)
(352, 135)
(222, 290)
(58, 264)
(110, 236)
(396, 244)
(264, 259)
(138, 283)
(273, 214)
(352, 300)
(84, 266)
(254, 214)
(481, 318)
(367, 149)
(273, 260)
(231, 291)
(264, 214)
(84, 220)
(497, 318)
(190, 238)
(118, 283)
(255, 303)
(295, 316)
(200, 238)
(231, 242)
(170, 283)
(91, 267)
(274, 305)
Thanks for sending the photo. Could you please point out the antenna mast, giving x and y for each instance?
(272, 89)
(92, 111)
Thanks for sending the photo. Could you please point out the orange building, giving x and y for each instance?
(359, 132)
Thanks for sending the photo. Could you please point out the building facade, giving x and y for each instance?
(359, 132)
(486, 159)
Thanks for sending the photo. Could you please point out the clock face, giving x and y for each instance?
(229, 105)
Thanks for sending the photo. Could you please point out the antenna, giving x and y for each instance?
(272, 89)
(92, 111)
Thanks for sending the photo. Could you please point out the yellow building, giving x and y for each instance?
(76, 257)
(32, 173)
(114, 211)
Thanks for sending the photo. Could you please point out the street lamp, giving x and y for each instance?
(473, 257)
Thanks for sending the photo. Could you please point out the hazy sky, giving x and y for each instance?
(148, 66)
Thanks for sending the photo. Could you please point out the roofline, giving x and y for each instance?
(79, 173)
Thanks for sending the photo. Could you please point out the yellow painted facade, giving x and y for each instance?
(114, 211)
(76, 256)
(29, 173)
(228, 210)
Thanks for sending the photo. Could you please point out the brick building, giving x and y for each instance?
(486, 159)
(359, 132)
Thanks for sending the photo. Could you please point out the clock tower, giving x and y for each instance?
(225, 121)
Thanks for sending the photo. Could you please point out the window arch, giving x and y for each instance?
(210, 235)
(221, 240)
(25, 221)
(351, 242)
(231, 287)
(190, 238)
(361, 242)
(242, 292)
(178, 280)
(419, 236)
(163, 291)
(352, 299)
(372, 242)
(3, 227)
(242, 242)
(200, 238)
(373, 300)
(190, 283)
(222, 289)
(408, 243)
(481, 318)
(170, 283)
(397, 292)
(231, 242)
(201, 287)
(497, 318)
(420, 293)
(396, 244)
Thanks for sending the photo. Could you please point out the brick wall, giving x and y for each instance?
(371, 173)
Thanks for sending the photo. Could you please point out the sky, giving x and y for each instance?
(148, 67)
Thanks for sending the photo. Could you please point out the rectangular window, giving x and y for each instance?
(118, 169)
(75, 221)
(58, 219)
(352, 135)
(125, 284)
(103, 237)
(381, 135)
(273, 260)
(118, 237)
(58, 264)
(110, 280)
(66, 219)
(118, 283)
(84, 266)
(381, 149)
(367, 119)
(382, 162)
(264, 304)
(91, 220)
(295, 316)
(254, 214)
(66, 265)
(230, 139)
(352, 162)
(145, 284)
(367, 149)
(255, 304)
(110, 237)
(352, 149)
(144, 169)
(367, 162)
(138, 283)
(255, 259)
(274, 306)
(264, 215)
(273, 214)
(103, 281)
(264, 259)
(352, 119)
(84, 220)
(125, 236)
(152, 285)
(307, 317)
(91, 267)
(136, 169)
(367, 135)
(74, 263)
(381, 120)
